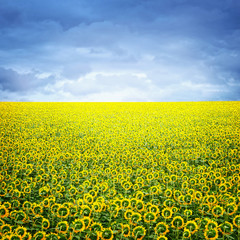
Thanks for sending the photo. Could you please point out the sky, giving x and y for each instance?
(119, 50)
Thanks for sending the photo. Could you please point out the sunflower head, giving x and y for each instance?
(226, 228)
(125, 203)
(139, 232)
(27, 205)
(40, 235)
(21, 231)
(211, 234)
(161, 228)
(211, 225)
(52, 236)
(140, 205)
(167, 213)
(107, 234)
(6, 228)
(14, 236)
(168, 193)
(169, 203)
(191, 226)
(62, 227)
(150, 217)
(236, 221)
(128, 214)
(86, 211)
(3, 211)
(96, 227)
(135, 218)
(78, 225)
(217, 211)
(62, 211)
(187, 212)
(162, 237)
(186, 233)
(125, 230)
(177, 222)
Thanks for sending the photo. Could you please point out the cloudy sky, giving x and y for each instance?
(119, 50)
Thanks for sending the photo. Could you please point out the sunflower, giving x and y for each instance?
(78, 225)
(162, 238)
(62, 211)
(37, 209)
(167, 213)
(107, 234)
(226, 228)
(14, 236)
(54, 208)
(28, 236)
(186, 233)
(211, 199)
(177, 222)
(125, 203)
(154, 209)
(211, 224)
(204, 208)
(73, 210)
(211, 234)
(236, 221)
(40, 235)
(3, 211)
(140, 205)
(96, 227)
(161, 228)
(45, 223)
(8, 205)
(20, 216)
(176, 194)
(86, 211)
(217, 211)
(6, 228)
(198, 195)
(3, 192)
(135, 218)
(97, 206)
(16, 193)
(125, 230)
(88, 198)
(205, 188)
(166, 179)
(62, 227)
(169, 203)
(126, 185)
(52, 236)
(128, 213)
(139, 195)
(230, 209)
(94, 191)
(139, 232)
(15, 204)
(46, 203)
(27, 189)
(150, 217)
(187, 212)
(1, 222)
(168, 193)
(87, 221)
(191, 226)
(21, 231)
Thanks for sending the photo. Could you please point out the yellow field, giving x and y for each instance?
(120, 170)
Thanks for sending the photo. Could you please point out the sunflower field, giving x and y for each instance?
(152, 171)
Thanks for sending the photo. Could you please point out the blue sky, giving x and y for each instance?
(119, 50)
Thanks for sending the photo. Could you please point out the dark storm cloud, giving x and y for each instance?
(177, 45)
